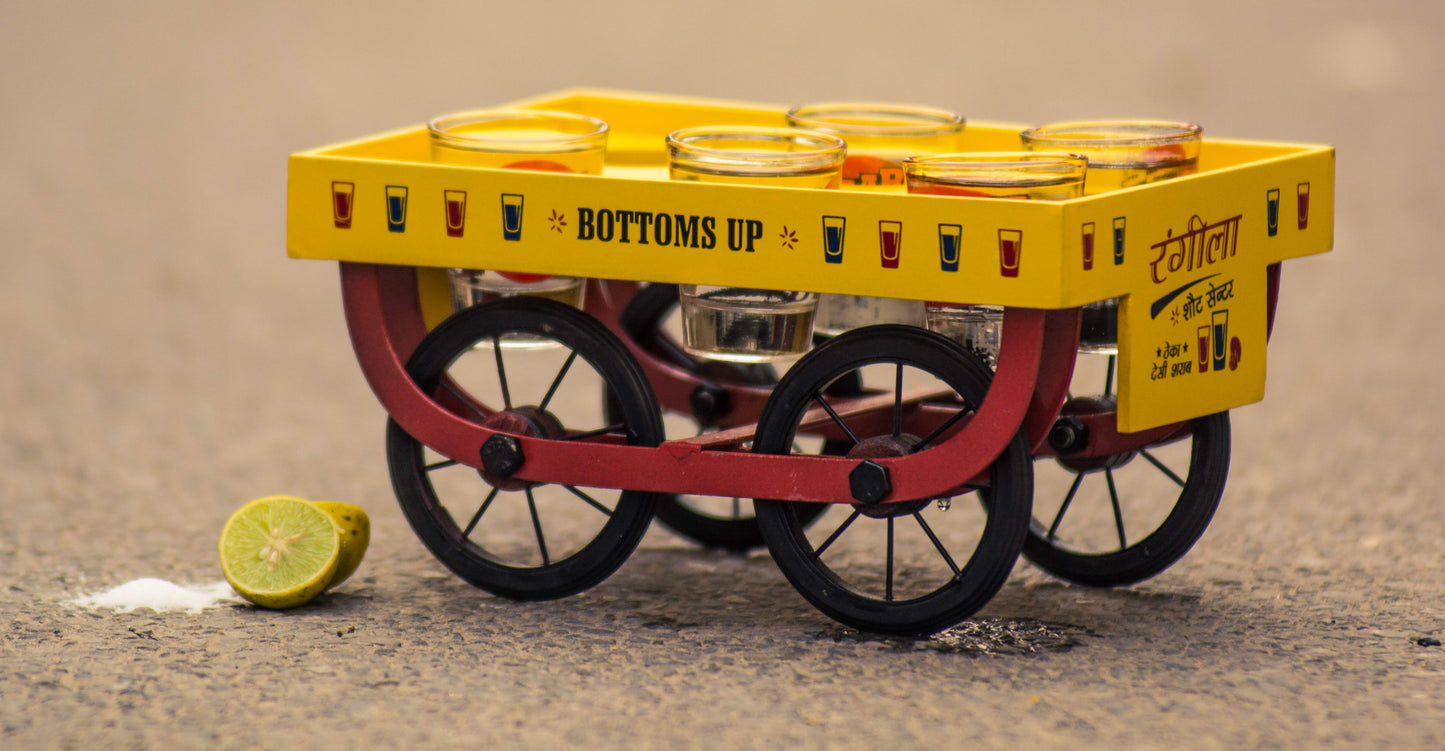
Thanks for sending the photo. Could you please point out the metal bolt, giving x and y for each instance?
(709, 403)
(1068, 435)
(868, 482)
(502, 455)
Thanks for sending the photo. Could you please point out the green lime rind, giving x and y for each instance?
(355, 528)
(280, 551)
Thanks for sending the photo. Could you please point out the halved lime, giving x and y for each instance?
(355, 528)
(280, 551)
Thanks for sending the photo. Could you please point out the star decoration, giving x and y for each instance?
(789, 237)
(558, 220)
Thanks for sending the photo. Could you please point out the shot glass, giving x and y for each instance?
(1121, 154)
(746, 324)
(535, 140)
(1019, 175)
(879, 137)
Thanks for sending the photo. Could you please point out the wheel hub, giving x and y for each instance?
(527, 422)
(1090, 405)
(882, 447)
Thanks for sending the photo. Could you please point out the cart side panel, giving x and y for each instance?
(1192, 265)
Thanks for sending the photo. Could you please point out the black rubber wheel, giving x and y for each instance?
(1082, 531)
(914, 567)
(525, 541)
(1091, 536)
(723, 523)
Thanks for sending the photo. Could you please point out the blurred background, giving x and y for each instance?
(162, 360)
(158, 344)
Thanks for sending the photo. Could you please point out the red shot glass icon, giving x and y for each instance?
(1203, 349)
(890, 242)
(343, 200)
(456, 207)
(1088, 240)
(1010, 251)
(1303, 191)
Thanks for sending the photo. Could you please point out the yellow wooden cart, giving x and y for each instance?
(1194, 262)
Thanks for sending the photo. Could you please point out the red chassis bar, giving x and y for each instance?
(384, 320)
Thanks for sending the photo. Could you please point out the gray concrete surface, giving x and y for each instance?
(162, 361)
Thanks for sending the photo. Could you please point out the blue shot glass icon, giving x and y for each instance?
(511, 216)
(950, 237)
(833, 227)
(1220, 321)
(396, 208)
(1272, 211)
(1118, 241)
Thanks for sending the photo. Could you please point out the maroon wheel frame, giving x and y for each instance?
(1029, 388)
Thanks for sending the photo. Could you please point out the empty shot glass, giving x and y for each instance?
(747, 324)
(879, 137)
(536, 140)
(1121, 154)
(1018, 175)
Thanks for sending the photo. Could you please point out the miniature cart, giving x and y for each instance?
(891, 423)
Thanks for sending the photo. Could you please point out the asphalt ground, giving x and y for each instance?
(162, 361)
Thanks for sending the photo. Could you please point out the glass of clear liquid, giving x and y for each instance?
(879, 137)
(1121, 154)
(535, 140)
(1019, 175)
(737, 323)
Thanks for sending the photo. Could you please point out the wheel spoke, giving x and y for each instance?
(1059, 517)
(589, 499)
(439, 465)
(937, 543)
(940, 430)
(818, 551)
(571, 357)
(818, 397)
(897, 405)
(1109, 376)
(471, 525)
(1118, 514)
(888, 585)
(618, 428)
(537, 525)
(502, 372)
(737, 508)
(466, 401)
(1160, 465)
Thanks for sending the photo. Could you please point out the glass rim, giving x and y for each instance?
(820, 152)
(574, 132)
(1132, 140)
(896, 119)
(1027, 167)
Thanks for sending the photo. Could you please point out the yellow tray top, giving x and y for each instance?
(1187, 256)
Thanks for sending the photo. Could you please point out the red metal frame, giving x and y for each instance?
(383, 316)
(384, 319)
